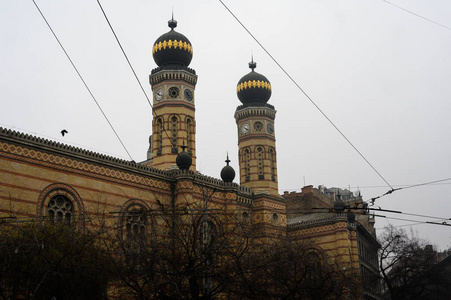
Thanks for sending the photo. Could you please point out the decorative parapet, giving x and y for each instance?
(173, 73)
(218, 183)
(243, 111)
(41, 144)
(77, 154)
(332, 218)
(244, 201)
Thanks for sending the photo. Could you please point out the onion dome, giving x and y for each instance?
(172, 48)
(253, 88)
(184, 159)
(227, 173)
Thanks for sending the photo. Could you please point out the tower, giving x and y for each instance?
(256, 137)
(257, 154)
(173, 85)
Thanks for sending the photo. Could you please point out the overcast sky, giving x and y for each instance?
(381, 74)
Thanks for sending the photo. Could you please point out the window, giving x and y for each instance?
(60, 210)
(260, 163)
(246, 219)
(247, 164)
(174, 122)
(272, 158)
(313, 266)
(189, 134)
(159, 137)
(258, 126)
(135, 229)
(275, 219)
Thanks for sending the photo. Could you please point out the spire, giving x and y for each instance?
(227, 160)
(172, 23)
(227, 173)
(183, 159)
(252, 64)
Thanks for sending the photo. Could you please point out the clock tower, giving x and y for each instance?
(256, 136)
(173, 85)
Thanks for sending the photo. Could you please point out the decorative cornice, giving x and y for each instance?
(340, 217)
(175, 72)
(45, 145)
(243, 111)
(95, 162)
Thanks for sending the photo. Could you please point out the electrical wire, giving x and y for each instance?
(405, 225)
(363, 211)
(417, 15)
(404, 186)
(133, 70)
(426, 183)
(81, 77)
(306, 95)
(419, 222)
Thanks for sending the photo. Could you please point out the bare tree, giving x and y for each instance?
(292, 270)
(183, 253)
(408, 267)
(45, 261)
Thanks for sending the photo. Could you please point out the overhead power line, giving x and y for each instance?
(306, 95)
(133, 70)
(419, 222)
(417, 15)
(364, 211)
(81, 77)
(407, 187)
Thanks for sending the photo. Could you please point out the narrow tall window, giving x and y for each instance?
(313, 267)
(247, 164)
(189, 134)
(135, 225)
(260, 163)
(174, 124)
(159, 139)
(60, 210)
(272, 158)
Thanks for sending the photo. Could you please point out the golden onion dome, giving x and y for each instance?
(253, 88)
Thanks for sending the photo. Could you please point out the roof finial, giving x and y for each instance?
(183, 145)
(252, 64)
(172, 23)
(227, 160)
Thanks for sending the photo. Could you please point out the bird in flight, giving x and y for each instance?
(63, 132)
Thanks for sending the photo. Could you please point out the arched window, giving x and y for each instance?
(174, 127)
(272, 159)
(135, 229)
(159, 138)
(275, 219)
(260, 163)
(247, 164)
(189, 134)
(313, 266)
(60, 210)
(245, 217)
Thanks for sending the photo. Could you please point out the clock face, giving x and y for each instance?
(159, 94)
(270, 128)
(245, 128)
(188, 94)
